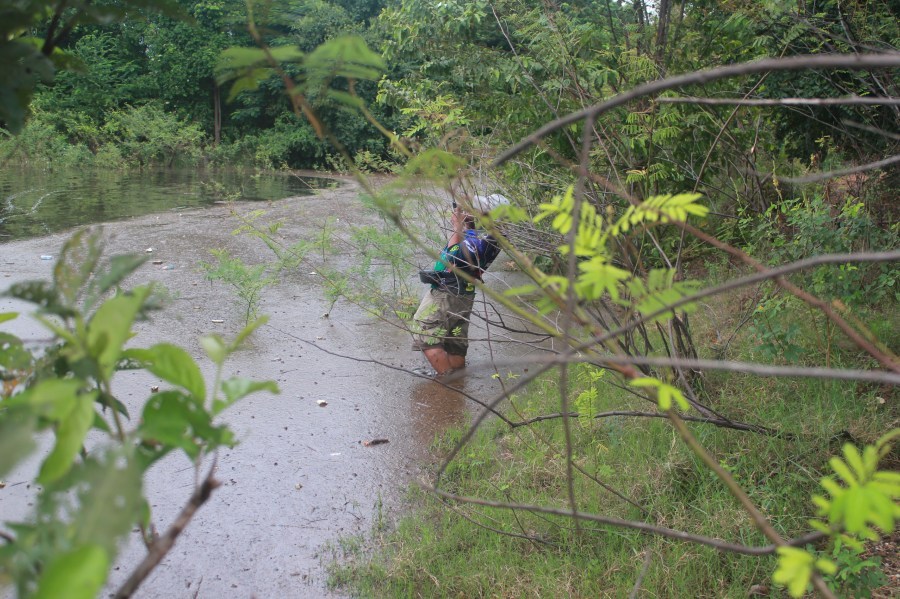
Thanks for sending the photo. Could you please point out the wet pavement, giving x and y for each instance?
(301, 476)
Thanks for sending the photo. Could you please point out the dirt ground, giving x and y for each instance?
(301, 477)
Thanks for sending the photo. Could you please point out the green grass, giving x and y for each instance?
(438, 550)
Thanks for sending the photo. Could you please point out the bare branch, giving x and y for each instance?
(739, 426)
(871, 129)
(643, 527)
(765, 370)
(840, 173)
(164, 544)
(845, 101)
(792, 63)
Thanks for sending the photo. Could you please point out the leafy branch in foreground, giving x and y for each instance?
(91, 493)
(865, 499)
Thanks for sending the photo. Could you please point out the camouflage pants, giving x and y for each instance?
(442, 320)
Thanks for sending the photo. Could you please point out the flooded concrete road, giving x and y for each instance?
(301, 476)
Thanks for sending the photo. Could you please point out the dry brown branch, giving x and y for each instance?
(845, 101)
(643, 527)
(841, 172)
(739, 426)
(792, 63)
(164, 544)
(758, 277)
(763, 370)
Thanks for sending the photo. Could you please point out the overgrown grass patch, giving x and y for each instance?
(447, 548)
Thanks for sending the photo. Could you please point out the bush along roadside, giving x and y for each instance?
(91, 494)
(819, 465)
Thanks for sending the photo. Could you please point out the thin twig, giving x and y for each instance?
(792, 63)
(767, 370)
(643, 527)
(640, 579)
(845, 101)
(164, 544)
(841, 172)
(739, 426)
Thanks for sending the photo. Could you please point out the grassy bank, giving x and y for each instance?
(455, 549)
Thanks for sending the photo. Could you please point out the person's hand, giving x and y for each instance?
(458, 218)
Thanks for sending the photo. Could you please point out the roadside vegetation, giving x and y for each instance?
(447, 549)
(705, 213)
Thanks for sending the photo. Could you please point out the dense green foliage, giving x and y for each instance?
(298, 84)
(157, 72)
(92, 490)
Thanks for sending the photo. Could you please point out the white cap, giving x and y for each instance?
(485, 204)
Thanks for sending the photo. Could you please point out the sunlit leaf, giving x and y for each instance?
(70, 436)
(795, 568)
(246, 332)
(237, 388)
(215, 348)
(17, 428)
(77, 574)
(77, 260)
(110, 327)
(119, 267)
(174, 365)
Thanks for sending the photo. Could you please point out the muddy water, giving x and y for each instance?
(40, 202)
(301, 477)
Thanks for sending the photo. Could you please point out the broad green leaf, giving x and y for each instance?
(22, 67)
(78, 574)
(110, 499)
(345, 98)
(53, 399)
(5, 316)
(215, 348)
(237, 58)
(175, 420)
(118, 268)
(248, 82)
(40, 293)
(77, 261)
(70, 436)
(246, 332)
(17, 428)
(346, 56)
(434, 164)
(14, 358)
(174, 365)
(237, 388)
(110, 327)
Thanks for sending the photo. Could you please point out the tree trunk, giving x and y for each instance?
(662, 26)
(217, 114)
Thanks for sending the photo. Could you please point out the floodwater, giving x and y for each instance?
(301, 477)
(39, 202)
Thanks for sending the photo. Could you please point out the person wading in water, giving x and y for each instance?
(441, 324)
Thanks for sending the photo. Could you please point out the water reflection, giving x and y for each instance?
(39, 202)
(435, 408)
